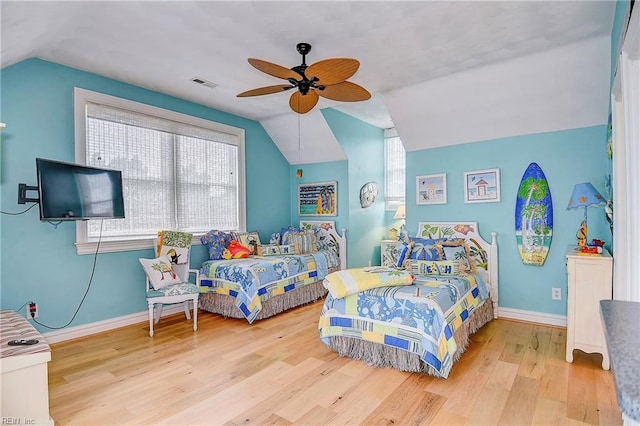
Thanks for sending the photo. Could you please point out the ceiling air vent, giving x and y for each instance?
(204, 82)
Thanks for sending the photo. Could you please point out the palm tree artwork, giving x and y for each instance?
(534, 216)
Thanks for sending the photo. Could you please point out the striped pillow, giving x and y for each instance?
(303, 241)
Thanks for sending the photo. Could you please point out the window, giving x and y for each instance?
(394, 170)
(179, 172)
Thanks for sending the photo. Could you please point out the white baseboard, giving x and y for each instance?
(113, 323)
(110, 324)
(531, 316)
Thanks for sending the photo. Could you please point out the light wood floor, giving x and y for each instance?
(277, 371)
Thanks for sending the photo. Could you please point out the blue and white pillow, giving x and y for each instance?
(424, 248)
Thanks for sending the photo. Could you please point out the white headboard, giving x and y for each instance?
(484, 254)
(338, 239)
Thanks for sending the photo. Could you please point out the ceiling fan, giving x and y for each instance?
(326, 78)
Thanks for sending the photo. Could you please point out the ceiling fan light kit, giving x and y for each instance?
(326, 78)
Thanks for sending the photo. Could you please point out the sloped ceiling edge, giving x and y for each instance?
(559, 89)
(304, 138)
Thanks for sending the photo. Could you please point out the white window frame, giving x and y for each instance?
(81, 98)
(392, 205)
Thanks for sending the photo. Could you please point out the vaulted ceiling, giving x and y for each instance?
(442, 73)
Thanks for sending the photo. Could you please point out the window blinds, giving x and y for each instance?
(394, 170)
(175, 175)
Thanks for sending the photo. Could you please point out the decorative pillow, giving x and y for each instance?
(274, 239)
(284, 234)
(160, 272)
(216, 242)
(175, 245)
(424, 248)
(247, 238)
(304, 241)
(276, 250)
(456, 249)
(323, 237)
(403, 255)
(235, 250)
(434, 267)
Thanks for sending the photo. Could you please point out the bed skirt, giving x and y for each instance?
(378, 355)
(225, 305)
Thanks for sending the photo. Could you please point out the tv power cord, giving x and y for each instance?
(32, 306)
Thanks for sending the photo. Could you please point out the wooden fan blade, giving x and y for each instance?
(265, 90)
(332, 71)
(274, 69)
(345, 92)
(302, 104)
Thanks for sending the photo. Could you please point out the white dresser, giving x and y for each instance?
(589, 280)
(25, 385)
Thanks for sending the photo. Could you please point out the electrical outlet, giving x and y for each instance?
(556, 293)
(32, 310)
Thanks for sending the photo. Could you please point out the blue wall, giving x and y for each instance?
(566, 157)
(363, 145)
(39, 262)
(322, 172)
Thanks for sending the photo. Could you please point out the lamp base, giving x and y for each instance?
(582, 234)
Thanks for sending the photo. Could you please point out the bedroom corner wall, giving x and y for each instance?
(363, 146)
(566, 157)
(39, 262)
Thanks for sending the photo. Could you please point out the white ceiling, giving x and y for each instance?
(403, 47)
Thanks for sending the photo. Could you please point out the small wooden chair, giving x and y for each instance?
(167, 283)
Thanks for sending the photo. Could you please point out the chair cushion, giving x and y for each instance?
(174, 290)
(159, 272)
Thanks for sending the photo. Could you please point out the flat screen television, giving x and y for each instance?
(74, 192)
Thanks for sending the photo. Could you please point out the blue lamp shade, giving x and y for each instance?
(585, 195)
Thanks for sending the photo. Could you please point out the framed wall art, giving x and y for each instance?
(431, 189)
(324, 224)
(318, 199)
(482, 186)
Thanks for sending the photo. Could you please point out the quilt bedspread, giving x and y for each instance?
(255, 279)
(420, 318)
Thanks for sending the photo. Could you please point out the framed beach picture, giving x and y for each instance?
(318, 199)
(482, 186)
(431, 189)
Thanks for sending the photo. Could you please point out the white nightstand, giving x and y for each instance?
(589, 280)
(389, 252)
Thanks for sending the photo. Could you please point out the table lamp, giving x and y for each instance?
(584, 195)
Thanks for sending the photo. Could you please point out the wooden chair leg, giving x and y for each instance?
(158, 312)
(195, 314)
(185, 306)
(150, 318)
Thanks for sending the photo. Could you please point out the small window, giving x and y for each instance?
(179, 172)
(394, 170)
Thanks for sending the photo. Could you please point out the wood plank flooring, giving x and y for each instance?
(277, 371)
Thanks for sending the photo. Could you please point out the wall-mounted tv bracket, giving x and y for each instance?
(22, 194)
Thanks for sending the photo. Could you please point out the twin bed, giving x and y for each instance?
(419, 324)
(425, 326)
(259, 287)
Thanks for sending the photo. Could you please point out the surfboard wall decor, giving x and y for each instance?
(534, 216)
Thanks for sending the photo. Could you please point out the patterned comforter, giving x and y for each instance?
(420, 318)
(256, 279)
